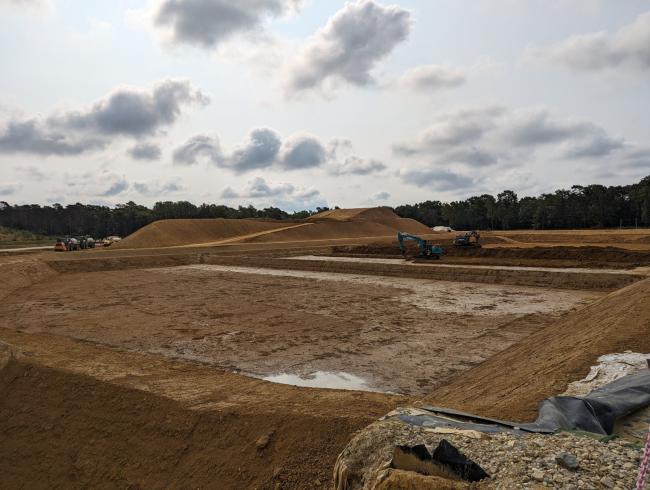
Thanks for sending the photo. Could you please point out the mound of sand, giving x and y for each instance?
(178, 232)
(21, 273)
(511, 384)
(330, 225)
(348, 223)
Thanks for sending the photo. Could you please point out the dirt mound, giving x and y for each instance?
(347, 223)
(16, 273)
(335, 224)
(178, 232)
(511, 384)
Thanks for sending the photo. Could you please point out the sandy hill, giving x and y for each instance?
(347, 223)
(178, 232)
(335, 224)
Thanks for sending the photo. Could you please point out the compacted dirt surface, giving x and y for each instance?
(401, 335)
(144, 366)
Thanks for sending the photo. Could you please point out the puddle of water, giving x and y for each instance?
(322, 379)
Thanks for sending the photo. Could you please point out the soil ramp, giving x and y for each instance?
(511, 384)
(179, 232)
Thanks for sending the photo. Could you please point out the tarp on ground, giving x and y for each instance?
(596, 413)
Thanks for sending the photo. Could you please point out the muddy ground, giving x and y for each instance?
(400, 335)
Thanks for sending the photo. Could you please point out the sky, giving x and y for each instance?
(306, 103)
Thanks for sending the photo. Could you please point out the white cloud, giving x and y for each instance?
(431, 78)
(349, 46)
(284, 195)
(208, 23)
(125, 112)
(629, 47)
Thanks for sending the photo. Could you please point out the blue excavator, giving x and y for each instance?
(427, 250)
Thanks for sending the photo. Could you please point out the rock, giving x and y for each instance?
(568, 461)
(263, 441)
(607, 482)
(538, 475)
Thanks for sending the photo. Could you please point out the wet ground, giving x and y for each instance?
(397, 335)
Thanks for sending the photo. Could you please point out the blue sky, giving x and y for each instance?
(307, 103)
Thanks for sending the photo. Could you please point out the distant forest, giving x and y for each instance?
(593, 206)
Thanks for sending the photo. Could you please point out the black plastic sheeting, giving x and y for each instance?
(596, 413)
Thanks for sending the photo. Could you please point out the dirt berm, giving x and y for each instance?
(178, 232)
(140, 421)
(511, 384)
(335, 224)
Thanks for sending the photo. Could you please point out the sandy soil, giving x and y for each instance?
(399, 334)
(130, 357)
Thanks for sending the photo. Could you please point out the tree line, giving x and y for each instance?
(593, 206)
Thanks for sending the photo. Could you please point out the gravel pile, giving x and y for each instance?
(565, 460)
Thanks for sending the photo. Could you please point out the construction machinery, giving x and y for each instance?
(469, 239)
(427, 249)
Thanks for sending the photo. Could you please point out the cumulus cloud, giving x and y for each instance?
(134, 112)
(145, 151)
(440, 180)
(354, 165)
(429, 78)
(36, 137)
(196, 148)
(117, 187)
(456, 129)
(474, 142)
(9, 189)
(638, 158)
(157, 189)
(279, 193)
(266, 149)
(125, 112)
(343, 161)
(302, 151)
(379, 197)
(208, 23)
(482, 137)
(261, 151)
(93, 184)
(349, 46)
(627, 47)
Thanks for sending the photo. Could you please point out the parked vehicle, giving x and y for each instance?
(61, 245)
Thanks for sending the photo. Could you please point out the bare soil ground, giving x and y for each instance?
(401, 335)
(130, 361)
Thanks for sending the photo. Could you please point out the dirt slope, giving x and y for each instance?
(348, 223)
(78, 415)
(170, 233)
(335, 224)
(21, 272)
(511, 384)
